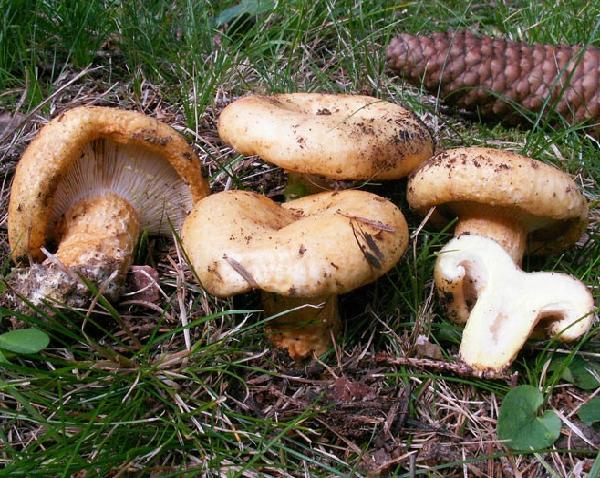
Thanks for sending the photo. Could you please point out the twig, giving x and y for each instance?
(460, 369)
(241, 270)
(370, 222)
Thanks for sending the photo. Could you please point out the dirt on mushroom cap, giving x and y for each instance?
(319, 245)
(335, 136)
(545, 199)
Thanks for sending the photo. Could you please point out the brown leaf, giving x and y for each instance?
(379, 462)
(142, 283)
(372, 244)
(373, 260)
(344, 390)
(424, 348)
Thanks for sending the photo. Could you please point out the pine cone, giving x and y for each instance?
(497, 76)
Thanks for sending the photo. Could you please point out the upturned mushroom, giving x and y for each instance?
(505, 204)
(301, 254)
(324, 136)
(92, 180)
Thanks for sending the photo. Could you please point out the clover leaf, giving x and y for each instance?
(521, 426)
(590, 412)
(245, 7)
(582, 373)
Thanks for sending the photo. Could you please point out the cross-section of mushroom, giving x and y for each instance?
(318, 138)
(301, 254)
(505, 204)
(92, 180)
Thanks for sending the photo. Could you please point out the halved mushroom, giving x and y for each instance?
(338, 137)
(301, 254)
(506, 303)
(505, 204)
(84, 189)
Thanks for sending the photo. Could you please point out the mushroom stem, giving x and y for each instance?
(99, 229)
(303, 184)
(506, 231)
(306, 325)
(96, 239)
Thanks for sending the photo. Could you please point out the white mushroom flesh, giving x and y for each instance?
(505, 303)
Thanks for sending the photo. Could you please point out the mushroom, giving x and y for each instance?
(92, 180)
(505, 204)
(301, 254)
(339, 137)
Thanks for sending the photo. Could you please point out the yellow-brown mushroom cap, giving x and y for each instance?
(545, 200)
(335, 136)
(62, 142)
(319, 245)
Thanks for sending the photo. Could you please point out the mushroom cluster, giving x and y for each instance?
(505, 204)
(95, 178)
(305, 252)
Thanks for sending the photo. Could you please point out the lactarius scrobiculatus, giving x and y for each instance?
(505, 204)
(498, 77)
(317, 137)
(91, 181)
(301, 254)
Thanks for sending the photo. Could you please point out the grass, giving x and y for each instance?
(117, 394)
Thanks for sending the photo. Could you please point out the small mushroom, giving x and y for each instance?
(505, 204)
(92, 180)
(338, 137)
(301, 254)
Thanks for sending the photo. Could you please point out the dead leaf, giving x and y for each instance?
(373, 260)
(379, 462)
(344, 390)
(142, 284)
(372, 244)
(424, 348)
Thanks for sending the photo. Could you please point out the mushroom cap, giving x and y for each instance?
(544, 199)
(335, 136)
(62, 142)
(318, 245)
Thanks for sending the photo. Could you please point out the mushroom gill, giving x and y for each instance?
(142, 178)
